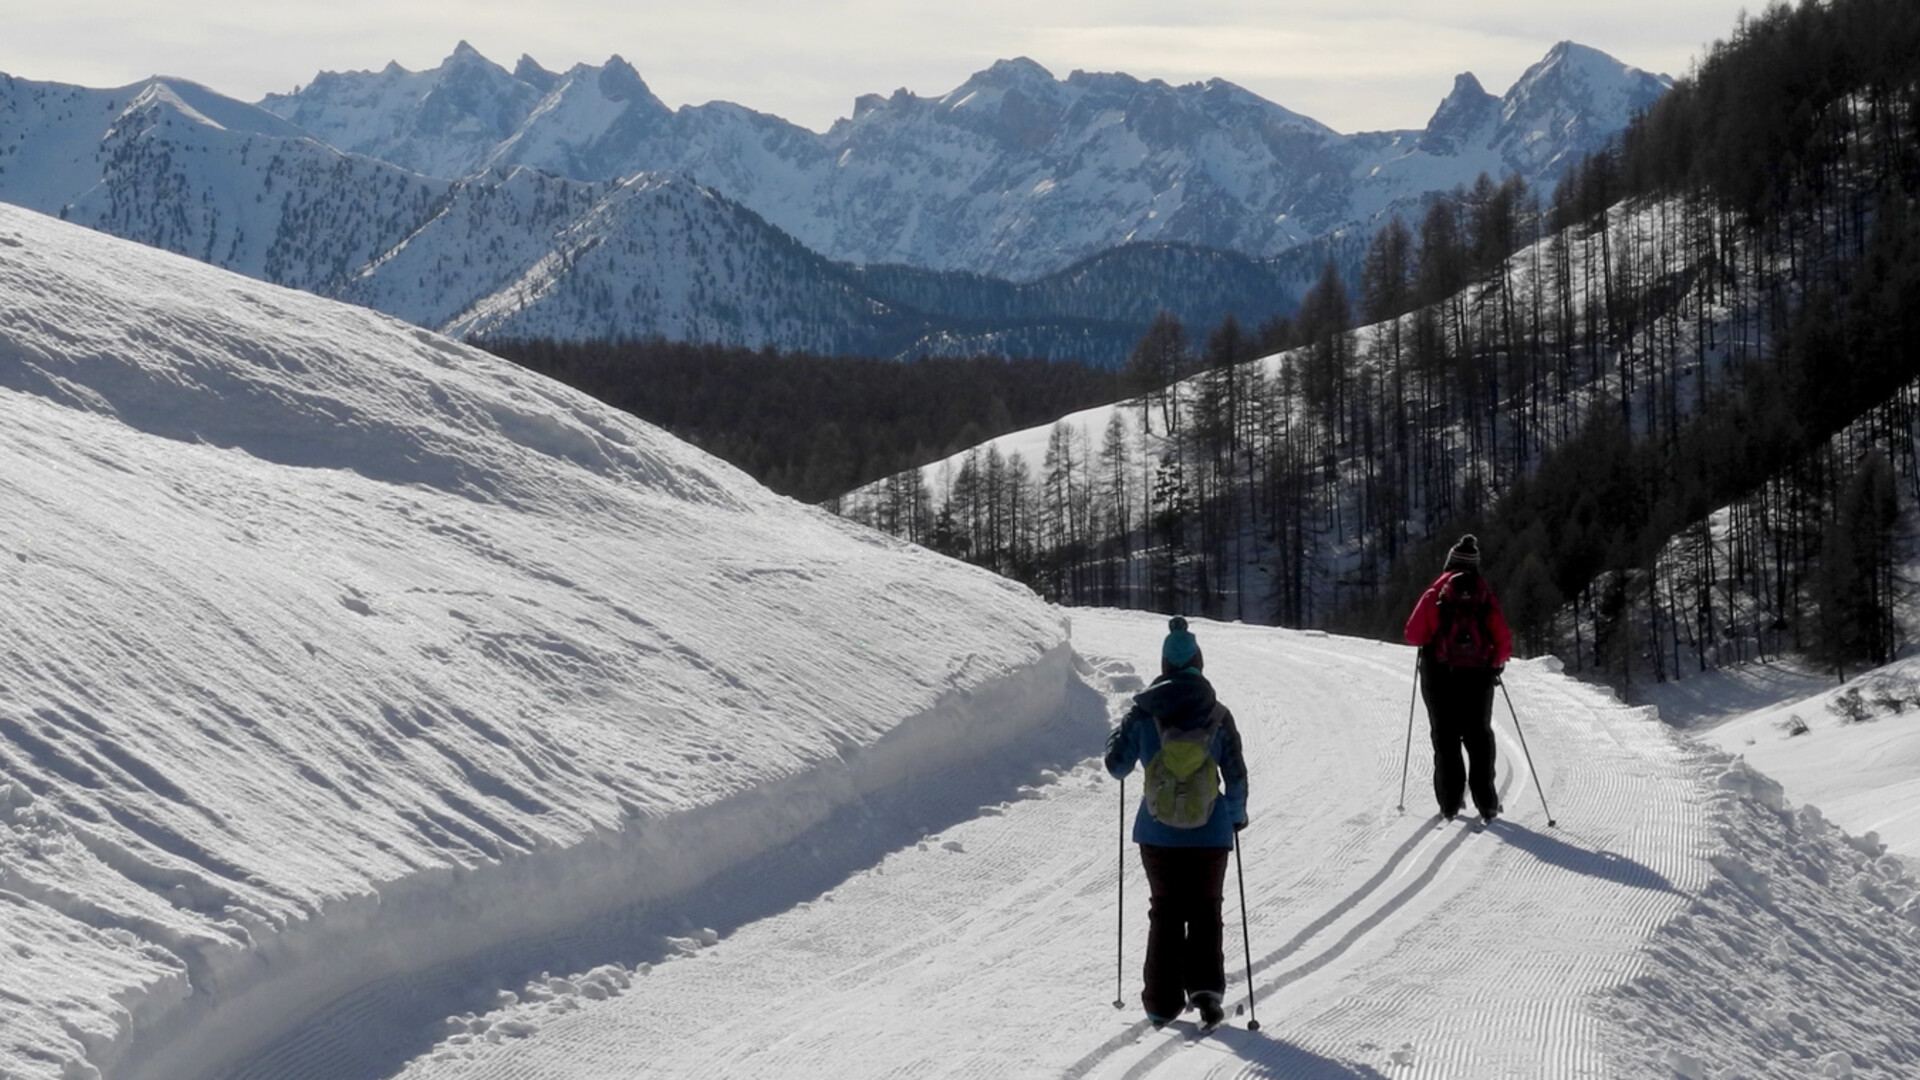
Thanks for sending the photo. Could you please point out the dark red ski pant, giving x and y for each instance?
(1460, 712)
(1183, 925)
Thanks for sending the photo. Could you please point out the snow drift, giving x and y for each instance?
(337, 650)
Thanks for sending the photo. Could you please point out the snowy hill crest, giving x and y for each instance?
(352, 630)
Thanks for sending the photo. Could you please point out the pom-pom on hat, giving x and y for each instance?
(1179, 650)
(1465, 554)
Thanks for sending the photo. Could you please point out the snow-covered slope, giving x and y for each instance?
(178, 167)
(55, 150)
(1850, 748)
(339, 652)
(662, 256)
(1012, 173)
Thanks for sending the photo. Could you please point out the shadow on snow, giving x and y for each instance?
(1605, 865)
(374, 1032)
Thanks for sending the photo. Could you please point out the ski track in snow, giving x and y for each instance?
(1384, 944)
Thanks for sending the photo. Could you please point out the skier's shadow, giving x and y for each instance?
(1268, 1056)
(1605, 865)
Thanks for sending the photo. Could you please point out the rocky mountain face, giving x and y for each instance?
(1014, 173)
(1018, 213)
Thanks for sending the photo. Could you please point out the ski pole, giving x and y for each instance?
(1551, 824)
(1120, 908)
(1407, 755)
(1246, 943)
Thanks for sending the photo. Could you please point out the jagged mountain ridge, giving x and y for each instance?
(177, 166)
(1013, 173)
(519, 252)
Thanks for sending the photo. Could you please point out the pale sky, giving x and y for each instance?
(1357, 65)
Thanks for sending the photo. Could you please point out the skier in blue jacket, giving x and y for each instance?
(1185, 836)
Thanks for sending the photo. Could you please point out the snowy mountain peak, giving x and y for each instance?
(201, 105)
(1464, 117)
(1019, 71)
(1572, 97)
(1019, 80)
(1014, 174)
(530, 72)
(1574, 71)
(620, 81)
(158, 96)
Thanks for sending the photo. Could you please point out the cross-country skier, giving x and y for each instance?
(1464, 645)
(1184, 827)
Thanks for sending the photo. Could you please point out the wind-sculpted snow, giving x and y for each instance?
(338, 652)
(194, 354)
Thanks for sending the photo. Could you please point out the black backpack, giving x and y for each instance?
(1465, 639)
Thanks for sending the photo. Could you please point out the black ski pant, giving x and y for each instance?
(1184, 957)
(1460, 713)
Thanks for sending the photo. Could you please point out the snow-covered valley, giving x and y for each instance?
(375, 709)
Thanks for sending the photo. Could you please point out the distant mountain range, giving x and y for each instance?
(1018, 212)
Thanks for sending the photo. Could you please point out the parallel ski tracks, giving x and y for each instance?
(1434, 847)
(1383, 946)
(1617, 784)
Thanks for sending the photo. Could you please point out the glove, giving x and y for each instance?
(1112, 759)
(1498, 671)
(1241, 824)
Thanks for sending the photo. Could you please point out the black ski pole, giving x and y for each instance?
(1120, 908)
(1246, 943)
(1551, 824)
(1407, 755)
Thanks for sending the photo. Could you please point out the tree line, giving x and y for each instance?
(812, 426)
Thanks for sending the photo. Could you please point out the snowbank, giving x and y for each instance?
(1853, 749)
(1801, 957)
(336, 650)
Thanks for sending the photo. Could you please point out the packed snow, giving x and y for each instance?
(376, 709)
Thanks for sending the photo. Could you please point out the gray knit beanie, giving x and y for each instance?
(1465, 554)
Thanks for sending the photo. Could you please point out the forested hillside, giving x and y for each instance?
(1676, 414)
(815, 426)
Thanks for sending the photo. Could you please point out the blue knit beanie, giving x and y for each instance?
(1180, 650)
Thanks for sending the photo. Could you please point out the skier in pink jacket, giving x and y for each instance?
(1464, 645)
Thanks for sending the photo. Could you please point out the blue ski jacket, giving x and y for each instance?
(1182, 699)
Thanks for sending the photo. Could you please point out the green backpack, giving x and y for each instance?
(1183, 780)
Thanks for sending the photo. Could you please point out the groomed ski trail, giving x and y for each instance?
(1382, 945)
